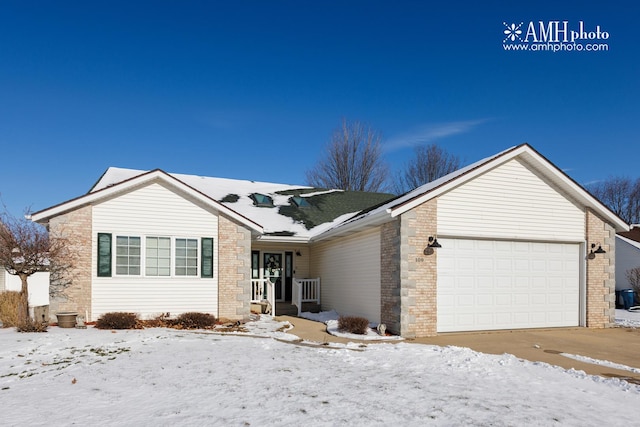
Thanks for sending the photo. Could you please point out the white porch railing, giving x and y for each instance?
(305, 290)
(263, 291)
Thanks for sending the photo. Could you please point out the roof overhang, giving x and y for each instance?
(145, 178)
(539, 162)
(436, 188)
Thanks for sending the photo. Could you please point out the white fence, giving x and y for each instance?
(263, 291)
(305, 290)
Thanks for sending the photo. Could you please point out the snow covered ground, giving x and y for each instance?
(168, 377)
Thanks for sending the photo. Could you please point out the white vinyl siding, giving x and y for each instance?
(627, 257)
(511, 202)
(154, 210)
(489, 284)
(349, 269)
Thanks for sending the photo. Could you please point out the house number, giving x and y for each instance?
(419, 259)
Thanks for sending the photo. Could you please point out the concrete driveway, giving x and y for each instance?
(618, 345)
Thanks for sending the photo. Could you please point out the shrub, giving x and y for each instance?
(32, 326)
(353, 324)
(160, 321)
(194, 320)
(118, 320)
(9, 302)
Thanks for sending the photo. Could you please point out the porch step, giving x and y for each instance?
(288, 309)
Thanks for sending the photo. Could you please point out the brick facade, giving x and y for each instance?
(390, 275)
(76, 227)
(600, 278)
(418, 291)
(234, 269)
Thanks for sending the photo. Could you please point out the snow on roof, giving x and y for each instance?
(235, 194)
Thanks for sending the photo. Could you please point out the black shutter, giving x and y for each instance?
(207, 257)
(104, 255)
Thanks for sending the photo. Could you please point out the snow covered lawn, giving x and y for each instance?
(169, 377)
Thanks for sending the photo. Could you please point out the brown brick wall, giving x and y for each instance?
(234, 269)
(390, 275)
(600, 273)
(418, 293)
(76, 227)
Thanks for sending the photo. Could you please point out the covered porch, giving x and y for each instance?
(305, 296)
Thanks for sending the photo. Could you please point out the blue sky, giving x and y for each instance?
(254, 89)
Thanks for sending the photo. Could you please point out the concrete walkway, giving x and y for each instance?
(618, 345)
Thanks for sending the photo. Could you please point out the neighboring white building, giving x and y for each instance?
(627, 257)
(38, 286)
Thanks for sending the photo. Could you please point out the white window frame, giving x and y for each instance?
(157, 257)
(198, 259)
(172, 255)
(128, 255)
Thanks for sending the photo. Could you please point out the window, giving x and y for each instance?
(104, 255)
(128, 255)
(206, 244)
(186, 257)
(158, 256)
(300, 202)
(262, 200)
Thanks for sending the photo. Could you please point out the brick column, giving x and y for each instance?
(418, 292)
(390, 275)
(77, 228)
(600, 279)
(234, 270)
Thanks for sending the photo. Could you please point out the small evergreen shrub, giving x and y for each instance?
(194, 320)
(9, 302)
(353, 324)
(118, 320)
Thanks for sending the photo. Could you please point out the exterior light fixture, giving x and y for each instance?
(597, 251)
(433, 242)
(298, 253)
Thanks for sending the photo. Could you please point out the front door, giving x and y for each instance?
(272, 263)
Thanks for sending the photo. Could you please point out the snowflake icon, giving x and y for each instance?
(512, 32)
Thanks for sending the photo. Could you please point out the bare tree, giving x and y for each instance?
(25, 249)
(429, 163)
(633, 276)
(353, 160)
(621, 195)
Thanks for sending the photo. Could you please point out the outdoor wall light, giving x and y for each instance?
(597, 251)
(433, 242)
(298, 253)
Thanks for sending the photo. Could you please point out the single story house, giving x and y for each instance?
(507, 242)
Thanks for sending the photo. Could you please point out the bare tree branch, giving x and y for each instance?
(429, 163)
(621, 195)
(353, 160)
(25, 249)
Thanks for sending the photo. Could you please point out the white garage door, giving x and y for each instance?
(485, 284)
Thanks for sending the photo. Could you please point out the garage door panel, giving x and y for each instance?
(503, 285)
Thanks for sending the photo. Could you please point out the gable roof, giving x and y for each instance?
(426, 192)
(239, 199)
